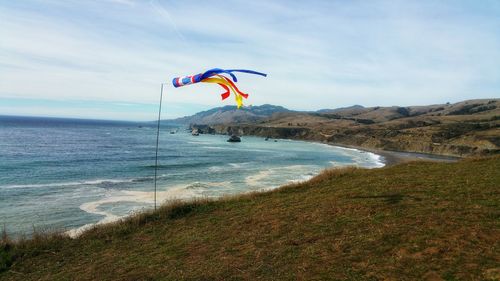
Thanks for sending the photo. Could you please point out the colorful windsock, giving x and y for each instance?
(216, 76)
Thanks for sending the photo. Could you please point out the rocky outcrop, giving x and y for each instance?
(202, 129)
(271, 132)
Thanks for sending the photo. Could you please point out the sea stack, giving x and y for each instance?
(234, 138)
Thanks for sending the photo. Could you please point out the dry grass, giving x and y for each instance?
(412, 221)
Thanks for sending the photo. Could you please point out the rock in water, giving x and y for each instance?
(234, 138)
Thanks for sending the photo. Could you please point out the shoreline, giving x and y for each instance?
(386, 158)
(391, 158)
(90, 207)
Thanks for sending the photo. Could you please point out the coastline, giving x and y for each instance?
(391, 158)
(386, 158)
(180, 193)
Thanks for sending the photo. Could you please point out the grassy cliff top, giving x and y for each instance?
(413, 221)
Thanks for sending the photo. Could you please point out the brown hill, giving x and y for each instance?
(465, 128)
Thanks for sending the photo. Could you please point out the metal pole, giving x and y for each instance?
(158, 139)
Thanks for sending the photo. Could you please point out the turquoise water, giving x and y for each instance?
(63, 174)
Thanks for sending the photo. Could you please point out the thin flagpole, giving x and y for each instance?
(158, 140)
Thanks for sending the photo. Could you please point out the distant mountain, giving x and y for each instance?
(357, 113)
(349, 108)
(382, 114)
(230, 114)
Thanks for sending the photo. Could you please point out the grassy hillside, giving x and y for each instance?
(413, 221)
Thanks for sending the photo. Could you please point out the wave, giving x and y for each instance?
(232, 166)
(239, 165)
(179, 192)
(219, 148)
(363, 159)
(356, 156)
(96, 182)
(62, 184)
(264, 177)
(217, 168)
(256, 179)
(236, 149)
(203, 186)
(378, 159)
(186, 165)
(196, 185)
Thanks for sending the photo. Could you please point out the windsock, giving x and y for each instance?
(216, 76)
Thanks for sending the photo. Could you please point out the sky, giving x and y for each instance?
(106, 59)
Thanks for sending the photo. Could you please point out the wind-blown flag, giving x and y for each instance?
(216, 76)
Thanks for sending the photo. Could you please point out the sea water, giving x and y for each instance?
(67, 174)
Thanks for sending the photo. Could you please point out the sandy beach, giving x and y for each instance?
(396, 157)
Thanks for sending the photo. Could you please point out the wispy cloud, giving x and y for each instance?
(166, 14)
(320, 54)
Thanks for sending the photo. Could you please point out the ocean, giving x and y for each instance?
(68, 174)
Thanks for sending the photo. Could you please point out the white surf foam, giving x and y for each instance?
(147, 197)
(71, 183)
(266, 179)
(179, 192)
(239, 165)
(232, 166)
(256, 179)
(359, 157)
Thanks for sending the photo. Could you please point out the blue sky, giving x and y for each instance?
(106, 59)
